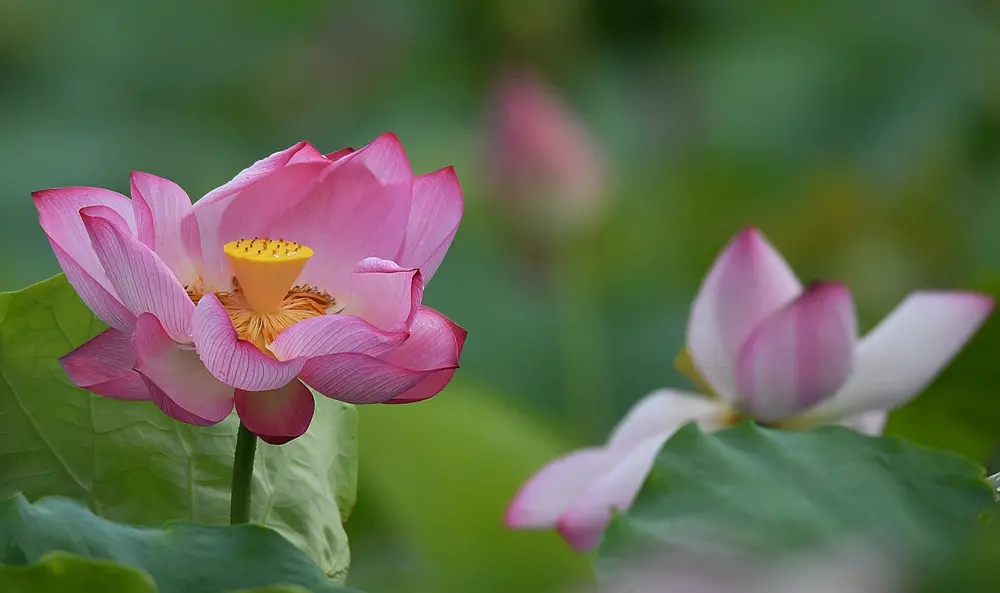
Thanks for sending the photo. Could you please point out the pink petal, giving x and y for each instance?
(236, 362)
(554, 488)
(177, 380)
(583, 523)
(308, 153)
(798, 356)
(278, 415)
(358, 210)
(665, 410)
(111, 216)
(430, 385)
(385, 295)
(249, 212)
(411, 371)
(302, 151)
(358, 378)
(434, 217)
(428, 347)
(160, 207)
(905, 352)
(59, 216)
(333, 334)
(143, 282)
(104, 364)
(97, 298)
(748, 282)
(339, 154)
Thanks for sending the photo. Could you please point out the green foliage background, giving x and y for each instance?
(862, 137)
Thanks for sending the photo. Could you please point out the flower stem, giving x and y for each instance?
(582, 333)
(239, 505)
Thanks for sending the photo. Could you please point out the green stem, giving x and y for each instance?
(239, 505)
(585, 360)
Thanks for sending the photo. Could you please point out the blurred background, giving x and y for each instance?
(608, 149)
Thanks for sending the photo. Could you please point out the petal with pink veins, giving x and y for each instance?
(249, 212)
(429, 347)
(411, 371)
(97, 298)
(747, 283)
(358, 210)
(277, 415)
(59, 217)
(160, 206)
(104, 364)
(798, 356)
(143, 282)
(434, 217)
(359, 378)
(583, 523)
(177, 380)
(554, 488)
(236, 362)
(333, 334)
(299, 152)
(906, 351)
(385, 295)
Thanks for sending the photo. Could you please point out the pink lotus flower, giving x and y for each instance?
(305, 269)
(544, 158)
(768, 350)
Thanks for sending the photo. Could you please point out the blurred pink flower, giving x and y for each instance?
(768, 350)
(305, 269)
(545, 162)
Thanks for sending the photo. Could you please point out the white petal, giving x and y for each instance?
(552, 489)
(901, 356)
(583, 523)
(665, 410)
(871, 423)
(748, 282)
(557, 486)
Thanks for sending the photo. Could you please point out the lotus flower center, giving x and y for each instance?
(266, 269)
(263, 301)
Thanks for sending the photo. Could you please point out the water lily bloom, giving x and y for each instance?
(546, 164)
(305, 269)
(766, 349)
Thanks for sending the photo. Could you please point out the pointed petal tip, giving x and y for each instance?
(828, 292)
(980, 301)
(749, 238)
(39, 194)
(976, 303)
(447, 172)
(750, 232)
(388, 137)
(515, 517)
(748, 281)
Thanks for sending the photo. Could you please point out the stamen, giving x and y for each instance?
(265, 276)
(261, 329)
